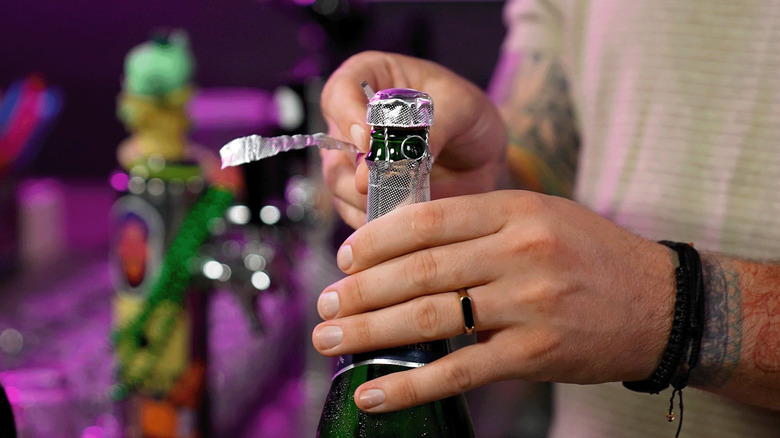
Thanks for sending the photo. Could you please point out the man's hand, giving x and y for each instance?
(559, 294)
(468, 138)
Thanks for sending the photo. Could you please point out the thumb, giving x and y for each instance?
(453, 374)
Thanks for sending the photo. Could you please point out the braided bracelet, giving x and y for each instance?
(689, 258)
(678, 337)
(687, 330)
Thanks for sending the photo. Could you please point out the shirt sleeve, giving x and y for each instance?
(532, 25)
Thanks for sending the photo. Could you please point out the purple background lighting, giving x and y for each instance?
(80, 45)
(57, 295)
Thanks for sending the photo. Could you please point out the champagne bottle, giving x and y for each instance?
(399, 163)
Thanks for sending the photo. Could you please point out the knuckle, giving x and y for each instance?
(542, 352)
(544, 239)
(327, 92)
(525, 204)
(427, 220)
(457, 377)
(425, 318)
(359, 59)
(540, 240)
(542, 297)
(338, 174)
(368, 244)
(423, 269)
(358, 296)
(364, 247)
(328, 98)
(361, 332)
(329, 172)
(408, 393)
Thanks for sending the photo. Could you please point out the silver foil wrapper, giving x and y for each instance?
(254, 147)
(400, 108)
(393, 184)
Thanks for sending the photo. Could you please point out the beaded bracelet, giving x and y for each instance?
(662, 377)
(687, 330)
(695, 284)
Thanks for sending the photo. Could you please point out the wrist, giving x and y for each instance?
(659, 298)
(681, 353)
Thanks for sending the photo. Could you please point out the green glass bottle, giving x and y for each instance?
(395, 144)
(399, 163)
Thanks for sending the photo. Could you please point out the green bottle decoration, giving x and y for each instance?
(399, 163)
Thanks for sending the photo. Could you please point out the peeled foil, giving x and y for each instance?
(392, 184)
(254, 147)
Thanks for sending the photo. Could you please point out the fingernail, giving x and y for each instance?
(344, 257)
(329, 337)
(328, 305)
(358, 134)
(371, 398)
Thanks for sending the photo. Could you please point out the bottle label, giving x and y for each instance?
(410, 356)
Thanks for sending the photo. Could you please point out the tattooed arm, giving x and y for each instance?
(532, 94)
(740, 355)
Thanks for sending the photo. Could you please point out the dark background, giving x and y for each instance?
(79, 46)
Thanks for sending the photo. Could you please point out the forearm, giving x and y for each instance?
(532, 94)
(740, 355)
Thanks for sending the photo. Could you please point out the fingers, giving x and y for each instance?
(466, 111)
(344, 102)
(421, 226)
(456, 373)
(338, 171)
(439, 269)
(422, 319)
(466, 122)
(351, 215)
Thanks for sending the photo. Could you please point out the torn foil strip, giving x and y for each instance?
(254, 147)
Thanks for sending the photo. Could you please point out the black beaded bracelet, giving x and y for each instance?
(691, 264)
(695, 283)
(687, 330)
(678, 337)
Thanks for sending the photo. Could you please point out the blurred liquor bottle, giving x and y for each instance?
(157, 224)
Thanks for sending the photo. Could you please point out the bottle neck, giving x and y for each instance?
(393, 183)
(396, 144)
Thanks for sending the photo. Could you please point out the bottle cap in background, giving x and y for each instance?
(160, 66)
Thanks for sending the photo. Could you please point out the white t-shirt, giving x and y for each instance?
(678, 107)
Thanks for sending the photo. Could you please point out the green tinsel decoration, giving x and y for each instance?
(166, 298)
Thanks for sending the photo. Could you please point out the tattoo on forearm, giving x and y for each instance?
(722, 342)
(552, 134)
(540, 120)
(761, 307)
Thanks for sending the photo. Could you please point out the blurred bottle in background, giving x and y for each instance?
(159, 322)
